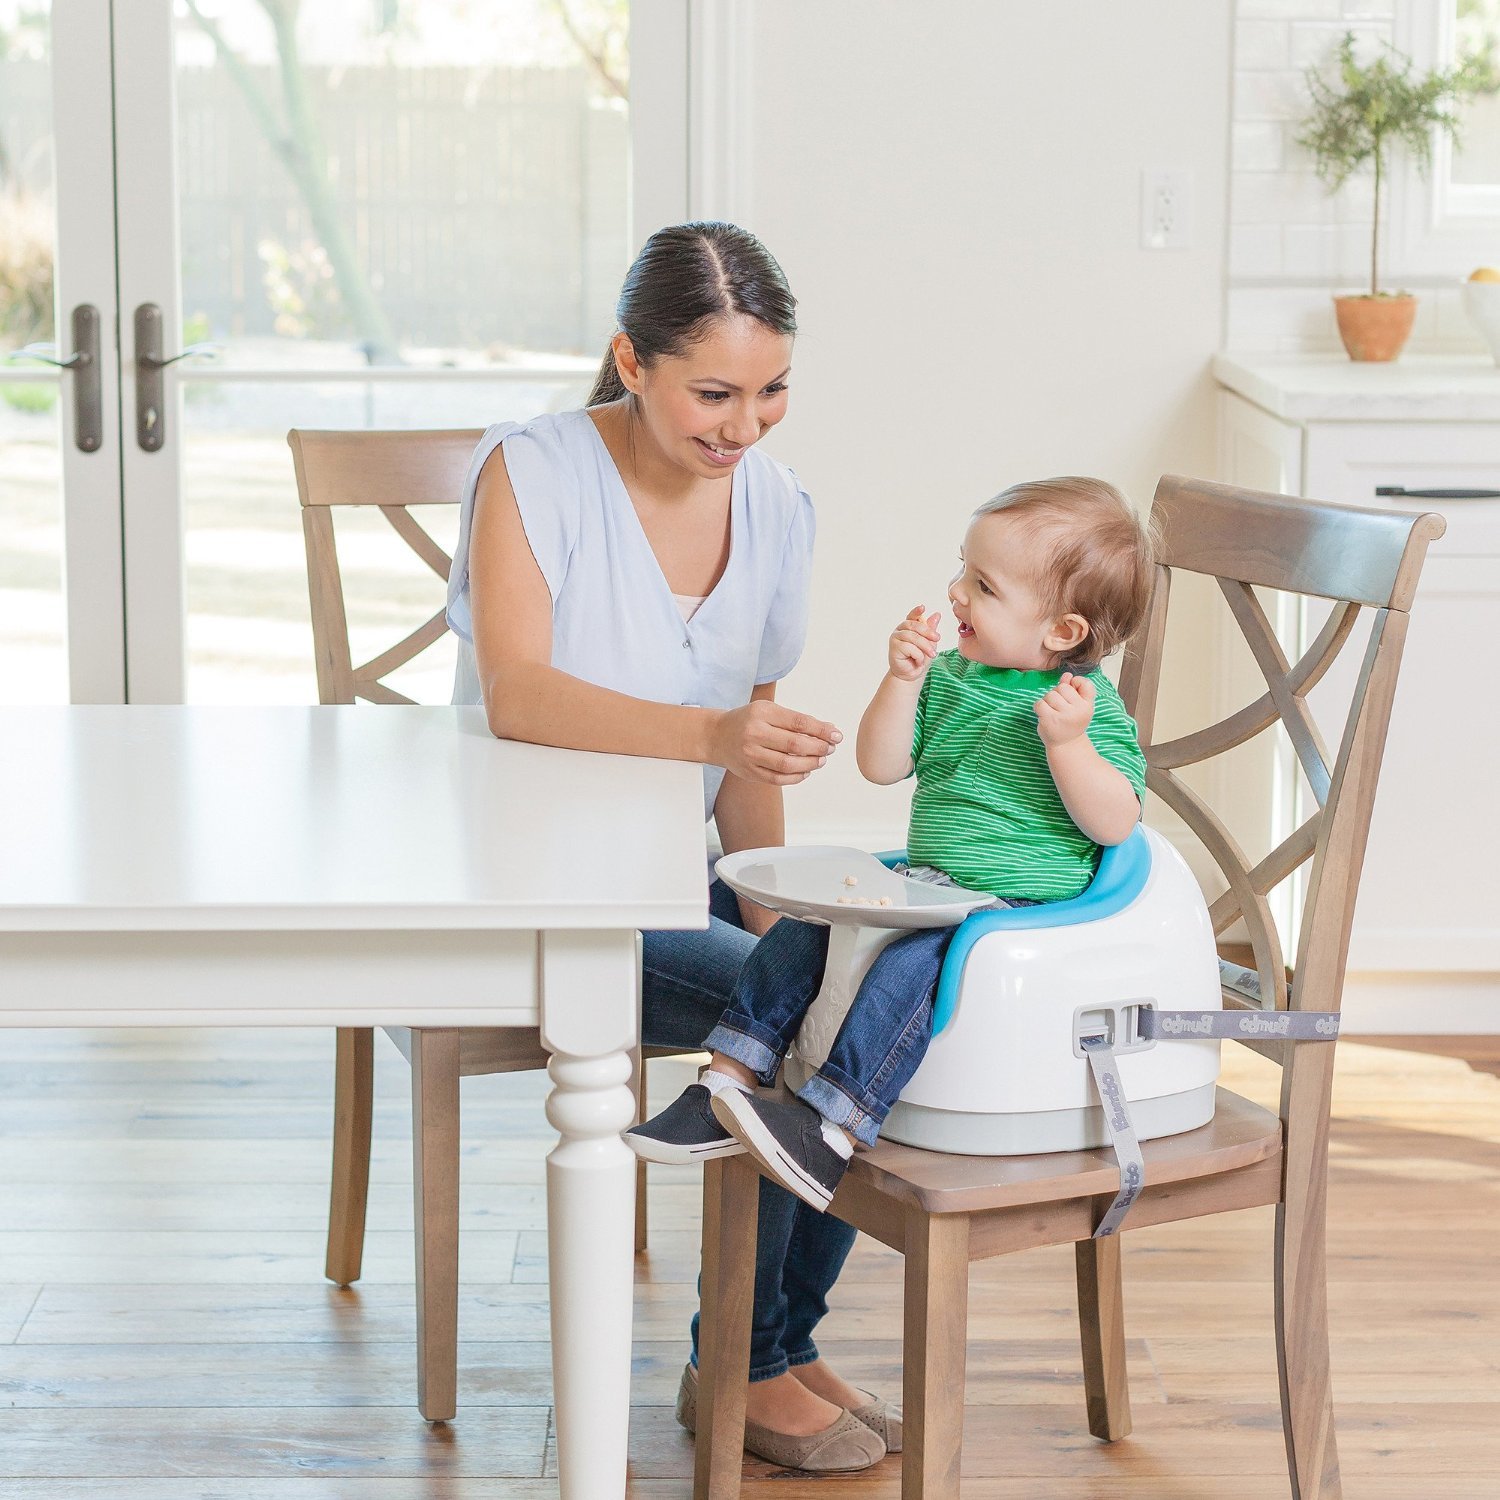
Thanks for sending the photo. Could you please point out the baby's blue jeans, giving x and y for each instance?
(883, 1038)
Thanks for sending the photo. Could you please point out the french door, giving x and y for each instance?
(220, 219)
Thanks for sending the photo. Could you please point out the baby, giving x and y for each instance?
(1026, 763)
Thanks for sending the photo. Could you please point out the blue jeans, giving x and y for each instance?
(689, 979)
(884, 1036)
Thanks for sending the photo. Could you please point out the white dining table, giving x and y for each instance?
(360, 866)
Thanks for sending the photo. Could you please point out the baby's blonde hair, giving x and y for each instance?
(1089, 555)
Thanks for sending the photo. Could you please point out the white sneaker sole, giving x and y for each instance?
(669, 1155)
(734, 1113)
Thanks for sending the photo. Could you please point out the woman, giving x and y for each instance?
(633, 578)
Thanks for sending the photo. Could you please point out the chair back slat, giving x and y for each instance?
(1344, 827)
(418, 540)
(1361, 559)
(382, 468)
(1249, 721)
(1328, 551)
(378, 692)
(391, 471)
(402, 652)
(1290, 705)
(1140, 672)
(1244, 900)
(330, 625)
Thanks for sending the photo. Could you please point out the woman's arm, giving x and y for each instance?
(526, 698)
(751, 815)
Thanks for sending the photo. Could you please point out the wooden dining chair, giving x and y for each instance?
(397, 472)
(944, 1211)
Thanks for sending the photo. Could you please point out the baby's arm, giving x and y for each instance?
(883, 748)
(1098, 797)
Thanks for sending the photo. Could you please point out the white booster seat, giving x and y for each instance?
(1021, 991)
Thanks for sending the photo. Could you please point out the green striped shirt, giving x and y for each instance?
(986, 810)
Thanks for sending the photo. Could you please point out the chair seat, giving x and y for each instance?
(1241, 1134)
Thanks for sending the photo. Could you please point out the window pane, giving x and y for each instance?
(249, 632)
(392, 180)
(424, 185)
(33, 660)
(1477, 162)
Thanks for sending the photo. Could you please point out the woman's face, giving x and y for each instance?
(705, 406)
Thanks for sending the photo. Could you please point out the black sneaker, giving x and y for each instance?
(787, 1140)
(684, 1132)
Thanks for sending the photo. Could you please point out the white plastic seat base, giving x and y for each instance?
(1030, 1133)
(1005, 1074)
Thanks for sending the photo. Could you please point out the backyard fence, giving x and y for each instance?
(484, 206)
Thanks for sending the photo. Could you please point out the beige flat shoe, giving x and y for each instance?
(846, 1445)
(882, 1418)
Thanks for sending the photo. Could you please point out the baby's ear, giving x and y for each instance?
(1068, 633)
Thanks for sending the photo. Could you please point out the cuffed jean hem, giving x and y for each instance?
(771, 1371)
(782, 1366)
(744, 1047)
(838, 1108)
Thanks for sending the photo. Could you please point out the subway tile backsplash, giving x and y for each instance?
(1291, 244)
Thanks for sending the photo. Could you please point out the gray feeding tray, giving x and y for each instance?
(812, 884)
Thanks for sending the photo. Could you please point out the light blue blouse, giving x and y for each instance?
(614, 620)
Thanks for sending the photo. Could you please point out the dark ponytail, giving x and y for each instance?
(685, 279)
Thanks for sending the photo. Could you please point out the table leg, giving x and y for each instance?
(589, 1024)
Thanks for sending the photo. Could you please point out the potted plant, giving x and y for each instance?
(1361, 118)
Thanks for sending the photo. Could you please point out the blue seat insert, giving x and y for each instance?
(1121, 877)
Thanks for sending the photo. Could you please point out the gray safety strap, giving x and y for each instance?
(1171, 1026)
(1272, 1025)
(1122, 1136)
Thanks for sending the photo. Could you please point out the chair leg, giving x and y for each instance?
(934, 1350)
(1312, 1453)
(353, 1101)
(638, 1088)
(1101, 1322)
(434, 1123)
(731, 1195)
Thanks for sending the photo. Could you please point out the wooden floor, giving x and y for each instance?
(165, 1333)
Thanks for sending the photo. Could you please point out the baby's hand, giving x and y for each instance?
(1064, 713)
(913, 645)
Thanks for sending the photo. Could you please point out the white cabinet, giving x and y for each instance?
(1425, 951)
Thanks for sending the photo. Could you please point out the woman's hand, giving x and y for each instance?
(1065, 713)
(766, 741)
(913, 645)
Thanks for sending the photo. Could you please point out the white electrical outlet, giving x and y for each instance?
(1166, 209)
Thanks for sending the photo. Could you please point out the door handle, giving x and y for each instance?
(150, 413)
(88, 406)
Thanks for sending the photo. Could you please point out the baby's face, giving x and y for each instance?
(1000, 619)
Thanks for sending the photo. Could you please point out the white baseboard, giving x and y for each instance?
(1421, 1004)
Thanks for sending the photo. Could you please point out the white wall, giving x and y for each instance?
(953, 189)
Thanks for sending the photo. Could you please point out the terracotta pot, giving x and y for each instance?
(1374, 328)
